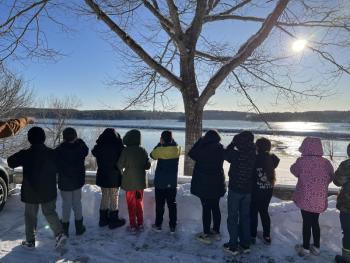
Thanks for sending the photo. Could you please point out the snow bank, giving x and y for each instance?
(104, 245)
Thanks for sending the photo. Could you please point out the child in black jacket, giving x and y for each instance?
(265, 165)
(70, 159)
(38, 186)
(107, 151)
(241, 156)
(208, 182)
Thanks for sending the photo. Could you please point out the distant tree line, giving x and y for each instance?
(314, 116)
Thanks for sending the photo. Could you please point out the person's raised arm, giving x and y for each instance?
(16, 159)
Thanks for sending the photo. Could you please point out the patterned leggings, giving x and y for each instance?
(110, 199)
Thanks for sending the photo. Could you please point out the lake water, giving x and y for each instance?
(288, 144)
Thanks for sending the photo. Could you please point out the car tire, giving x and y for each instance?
(3, 193)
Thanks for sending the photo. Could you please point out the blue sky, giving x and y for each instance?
(90, 62)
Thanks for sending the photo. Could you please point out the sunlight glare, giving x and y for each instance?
(299, 45)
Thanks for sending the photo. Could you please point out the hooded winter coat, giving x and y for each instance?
(39, 173)
(342, 179)
(107, 151)
(314, 174)
(241, 155)
(70, 160)
(208, 179)
(133, 162)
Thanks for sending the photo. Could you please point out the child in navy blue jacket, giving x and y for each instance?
(167, 153)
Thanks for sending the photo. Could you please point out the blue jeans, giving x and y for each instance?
(238, 220)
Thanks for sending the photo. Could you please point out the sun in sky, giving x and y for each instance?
(299, 45)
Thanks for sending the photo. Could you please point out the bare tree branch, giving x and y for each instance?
(193, 32)
(165, 23)
(244, 52)
(325, 55)
(174, 14)
(251, 101)
(232, 9)
(12, 19)
(135, 46)
(311, 23)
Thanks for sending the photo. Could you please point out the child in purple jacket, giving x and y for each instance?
(314, 174)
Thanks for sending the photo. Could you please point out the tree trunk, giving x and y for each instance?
(194, 116)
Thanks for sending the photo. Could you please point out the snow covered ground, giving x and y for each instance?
(104, 245)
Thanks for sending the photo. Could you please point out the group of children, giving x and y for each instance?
(123, 163)
(251, 181)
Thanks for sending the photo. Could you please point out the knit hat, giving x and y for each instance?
(167, 136)
(69, 134)
(36, 135)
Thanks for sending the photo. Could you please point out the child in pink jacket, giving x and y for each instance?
(314, 174)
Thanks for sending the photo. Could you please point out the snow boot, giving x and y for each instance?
(234, 251)
(61, 240)
(204, 238)
(244, 249)
(341, 259)
(344, 258)
(65, 227)
(79, 227)
(315, 250)
(103, 218)
(28, 244)
(215, 235)
(114, 220)
(156, 228)
(267, 240)
(302, 252)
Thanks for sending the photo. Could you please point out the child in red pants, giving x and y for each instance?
(133, 162)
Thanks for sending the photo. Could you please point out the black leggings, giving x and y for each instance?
(260, 205)
(211, 207)
(310, 223)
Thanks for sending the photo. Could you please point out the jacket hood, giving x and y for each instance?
(111, 137)
(311, 146)
(211, 136)
(132, 137)
(244, 141)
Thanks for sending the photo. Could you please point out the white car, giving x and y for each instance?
(6, 182)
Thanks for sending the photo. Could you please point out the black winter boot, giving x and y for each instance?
(341, 259)
(79, 227)
(104, 218)
(344, 258)
(65, 227)
(114, 220)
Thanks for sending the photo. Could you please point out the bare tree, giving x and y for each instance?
(62, 112)
(14, 95)
(170, 44)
